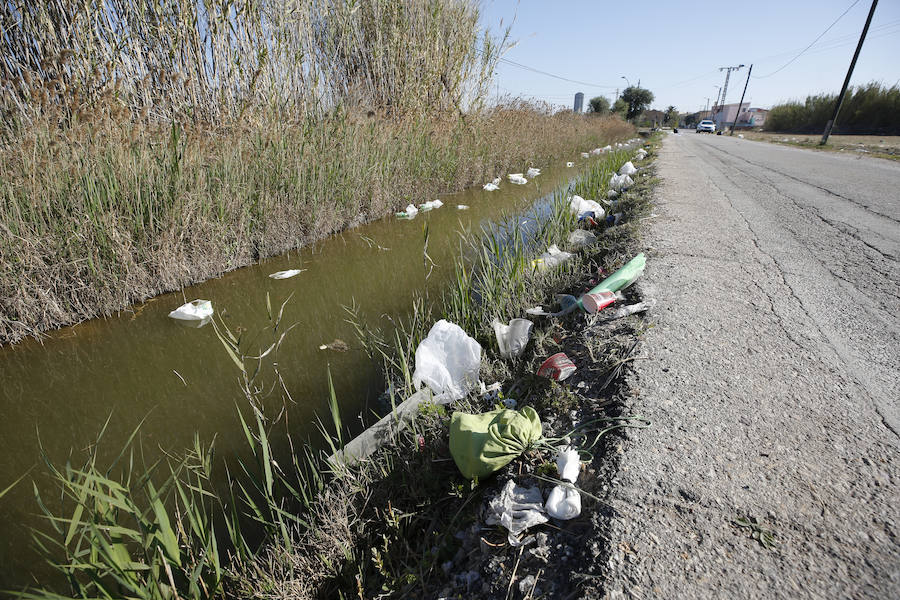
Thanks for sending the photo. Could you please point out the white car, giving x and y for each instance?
(707, 126)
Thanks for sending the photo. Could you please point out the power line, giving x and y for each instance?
(513, 63)
(855, 2)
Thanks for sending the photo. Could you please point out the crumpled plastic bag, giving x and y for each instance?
(532, 172)
(620, 182)
(285, 274)
(563, 503)
(550, 259)
(627, 169)
(411, 210)
(481, 444)
(580, 238)
(512, 338)
(447, 361)
(568, 463)
(517, 508)
(579, 205)
(490, 187)
(195, 310)
(516, 178)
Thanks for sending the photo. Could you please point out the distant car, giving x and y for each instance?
(707, 126)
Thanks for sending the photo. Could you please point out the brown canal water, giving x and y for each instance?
(140, 365)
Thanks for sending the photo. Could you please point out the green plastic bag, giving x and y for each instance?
(481, 444)
(623, 277)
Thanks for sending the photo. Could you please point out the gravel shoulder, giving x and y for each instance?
(771, 377)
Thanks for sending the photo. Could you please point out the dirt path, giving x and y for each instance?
(771, 378)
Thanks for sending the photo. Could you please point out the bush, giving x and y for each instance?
(867, 109)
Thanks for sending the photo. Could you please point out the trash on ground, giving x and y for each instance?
(517, 508)
(612, 194)
(570, 164)
(338, 345)
(624, 277)
(606, 148)
(614, 219)
(462, 207)
(597, 151)
(620, 182)
(532, 172)
(640, 154)
(585, 155)
(512, 338)
(483, 443)
(195, 310)
(447, 361)
(537, 311)
(597, 301)
(550, 259)
(558, 367)
(491, 392)
(568, 463)
(627, 169)
(286, 274)
(580, 238)
(628, 310)
(741, 135)
(491, 187)
(496, 180)
(579, 205)
(517, 179)
(564, 503)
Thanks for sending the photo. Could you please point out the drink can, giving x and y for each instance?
(597, 301)
(558, 367)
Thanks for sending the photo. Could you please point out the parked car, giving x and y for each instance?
(707, 126)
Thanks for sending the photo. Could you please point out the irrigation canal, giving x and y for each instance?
(140, 365)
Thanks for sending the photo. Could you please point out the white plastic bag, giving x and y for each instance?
(196, 310)
(447, 361)
(490, 187)
(462, 207)
(532, 172)
(627, 169)
(585, 155)
(612, 194)
(580, 238)
(597, 151)
(579, 205)
(550, 259)
(620, 182)
(512, 338)
(606, 148)
(411, 210)
(516, 508)
(517, 179)
(430, 205)
(286, 274)
(568, 463)
(563, 503)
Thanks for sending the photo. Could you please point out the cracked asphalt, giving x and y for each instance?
(772, 377)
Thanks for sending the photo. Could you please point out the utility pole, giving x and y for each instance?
(706, 110)
(741, 103)
(840, 100)
(728, 71)
(716, 104)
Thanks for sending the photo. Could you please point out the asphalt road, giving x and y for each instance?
(772, 377)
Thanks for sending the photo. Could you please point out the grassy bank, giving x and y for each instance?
(109, 215)
(388, 527)
(128, 169)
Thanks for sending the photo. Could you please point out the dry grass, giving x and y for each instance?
(882, 146)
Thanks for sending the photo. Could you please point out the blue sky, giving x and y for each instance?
(664, 45)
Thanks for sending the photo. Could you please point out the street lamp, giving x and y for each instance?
(626, 80)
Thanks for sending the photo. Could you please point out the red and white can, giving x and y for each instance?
(558, 367)
(598, 301)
